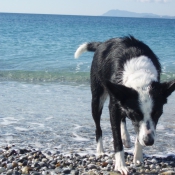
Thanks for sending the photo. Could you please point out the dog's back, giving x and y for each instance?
(113, 57)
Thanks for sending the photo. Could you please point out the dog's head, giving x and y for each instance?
(143, 106)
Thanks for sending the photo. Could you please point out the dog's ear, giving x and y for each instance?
(168, 88)
(120, 92)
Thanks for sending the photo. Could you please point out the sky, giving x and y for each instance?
(87, 7)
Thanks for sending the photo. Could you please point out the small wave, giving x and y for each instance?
(79, 138)
(57, 76)
(44, 76)
(165, 76)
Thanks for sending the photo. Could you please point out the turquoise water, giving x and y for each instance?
(40, 48)
(45, 93)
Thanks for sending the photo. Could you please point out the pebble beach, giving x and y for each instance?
(35, 162)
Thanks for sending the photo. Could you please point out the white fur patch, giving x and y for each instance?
(144, 131)
(82, 48)
(120, 163)
(139, 72)
(100, 150)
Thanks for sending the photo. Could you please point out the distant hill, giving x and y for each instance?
(123, 13)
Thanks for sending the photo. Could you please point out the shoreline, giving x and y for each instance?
(18, 161)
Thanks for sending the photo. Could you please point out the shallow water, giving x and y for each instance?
(58, 116)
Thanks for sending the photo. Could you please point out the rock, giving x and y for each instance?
(12, 152)
(14, 164)
(23, 151)
(58, 170)
(92, 166)
(9, 172)
(2, 169)
(66, 171)
(36, 173)
(16, 173)
(104, 164)
(152, 166)
(91, 158)
(109, 161)
(171, 157)
(114, 173)
(172, 163)
(154, 161)
(157, 167)
(44, 160)
(25, 170)
(168, 173)
(74, 172)
(24, 163)
(9, 166)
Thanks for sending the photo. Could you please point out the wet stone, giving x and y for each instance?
(2, 169)
(36, 162)
(36, 173)
(66, 171)
(58, 170)
(152, 166)
(74, 172)
(154, 161)
(16, 173)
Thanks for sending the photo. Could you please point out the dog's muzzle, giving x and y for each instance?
(148, 139)
(146, 135)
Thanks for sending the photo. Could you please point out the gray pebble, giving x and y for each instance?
(152, 166)
(92, 166)
(36, 173)
(66, 171)
(2, 169)
(154, 161)
(74, 172)
(16, 173)
(9, 172)
(9, 166)
(109, 161)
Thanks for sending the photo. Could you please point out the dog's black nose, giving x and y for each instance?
(149, 140)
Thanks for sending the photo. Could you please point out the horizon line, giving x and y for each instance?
(159, 16)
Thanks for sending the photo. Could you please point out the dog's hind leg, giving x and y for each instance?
(124, 134)
(98, 99)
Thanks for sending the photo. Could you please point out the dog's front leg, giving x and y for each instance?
(115, 117)
(138, 153)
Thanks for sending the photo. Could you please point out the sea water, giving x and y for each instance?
(45, 98)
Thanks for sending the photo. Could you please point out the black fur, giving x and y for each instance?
(109, 60)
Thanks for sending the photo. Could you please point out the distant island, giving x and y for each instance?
(123, 13)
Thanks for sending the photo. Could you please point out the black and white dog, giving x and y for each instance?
(128, 71)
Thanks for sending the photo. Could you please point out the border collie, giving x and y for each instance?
(126, 70)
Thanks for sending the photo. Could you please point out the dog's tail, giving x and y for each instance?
(86, 47)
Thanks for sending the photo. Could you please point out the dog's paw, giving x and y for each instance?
(120, 163)
(100, 149)
(122, 169)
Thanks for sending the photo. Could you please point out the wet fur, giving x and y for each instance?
(128, 71)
